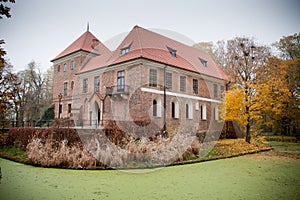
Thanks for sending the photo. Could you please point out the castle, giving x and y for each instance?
(148, 78)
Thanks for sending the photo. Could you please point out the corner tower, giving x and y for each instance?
(67, 64)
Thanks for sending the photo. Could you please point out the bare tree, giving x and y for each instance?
(36, 92)
(241, 58)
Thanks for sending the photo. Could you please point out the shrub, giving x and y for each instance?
(24, 135)
(115, 134)
(50, 154)
(21, 136)
(47, 116)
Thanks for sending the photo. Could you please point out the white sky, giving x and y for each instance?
(40, 30)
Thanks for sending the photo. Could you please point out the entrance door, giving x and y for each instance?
(96, 114)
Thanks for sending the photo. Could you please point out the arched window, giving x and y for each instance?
(65, 67)
(175, 109)
(157, 107)
(189, 111)
(154, 108)
(186, 111)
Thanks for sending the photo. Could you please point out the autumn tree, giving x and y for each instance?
(242, 58)
(273, 93)
(8, 80)
(36, 92)
(9, 89)
(289, 51)
(289, 46)
(4, 11)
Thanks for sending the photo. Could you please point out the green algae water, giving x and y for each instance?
(246, 177)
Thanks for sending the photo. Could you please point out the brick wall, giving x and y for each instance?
(137, 105)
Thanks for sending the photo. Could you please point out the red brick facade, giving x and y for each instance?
(191, 103)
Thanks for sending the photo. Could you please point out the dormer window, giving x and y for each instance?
(204, 62)
(172, 51)
(126, 49)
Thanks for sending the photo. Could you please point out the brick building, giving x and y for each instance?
(127, 84)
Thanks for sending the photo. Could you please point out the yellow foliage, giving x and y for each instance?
(234, 106)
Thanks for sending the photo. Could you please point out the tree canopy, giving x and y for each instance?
(264, 89)
(289, 46)
(5, 10)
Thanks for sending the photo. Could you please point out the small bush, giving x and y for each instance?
(47, 116)
(23, 136)
(50, 154)
(115, 134)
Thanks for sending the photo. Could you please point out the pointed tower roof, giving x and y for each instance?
(86, 42)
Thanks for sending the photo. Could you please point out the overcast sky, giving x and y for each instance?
(40, 30)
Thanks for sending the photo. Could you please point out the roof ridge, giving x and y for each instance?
(85, 38)
(139, 39)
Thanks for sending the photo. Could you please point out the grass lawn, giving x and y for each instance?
(258, 176)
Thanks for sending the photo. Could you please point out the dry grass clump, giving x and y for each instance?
(110, 147)
(140, 153)
(49, 153)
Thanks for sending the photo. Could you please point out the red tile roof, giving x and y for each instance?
(147, 44)
(86, 42)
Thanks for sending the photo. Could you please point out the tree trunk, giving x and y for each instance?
(248, 135)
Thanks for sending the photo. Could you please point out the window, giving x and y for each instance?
(172, 51)
(66, 89)
(72, 65)
(216, 113)
(126, 49)
(215, 91)
(182, 83)
(153, 78)
(72, 85)
(195, 86)
(96, 84)
(121, 81)
(169, 81)
(85, 85)
(222, 90)
(58, 68)
(186, 111)
(69, 108)
(65, 67)
(203, 112)
(175, 109)
(60, 109)
(204, 62)
(189, 111)
(154, 108)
